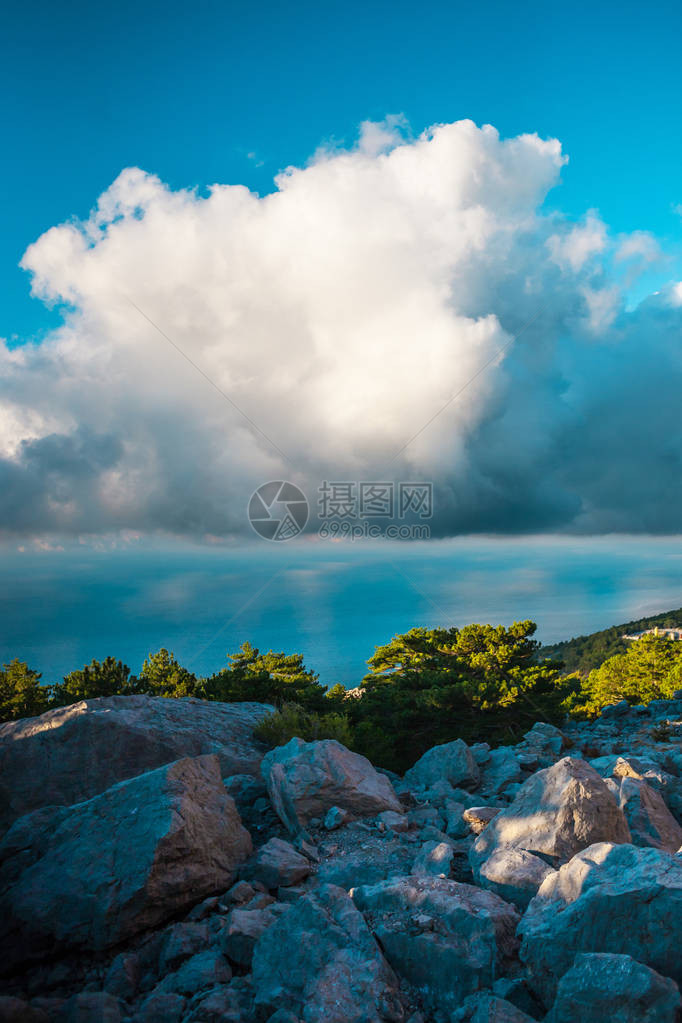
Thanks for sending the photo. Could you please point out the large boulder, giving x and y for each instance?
(73, 753)
(502, 768)
(608, 898)
(321, 962)
(447, 939)
(96, 873)
(602, 986)
(277, 864)
(484, 1007)
(557, 812)
(452, 762)
(649, 819)
(306, 779)
(513, 874)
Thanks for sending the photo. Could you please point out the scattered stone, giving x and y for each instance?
(501, 769)
(480, 751)
(615, 710)
(397, 822)
(433, 859)
(514, 874)
(604, 986)
(238, 894)
(277, 864)
(182, 941)
(455, 825)
(545, 740)
(477, 818)
(244, 928)
(70, 754)
(486, 1008)
(558, 811)
(445, 938)
(321, 962)
(452, 762)
(649, 819)
(16, 1010)
(608, 898)
(306, 779)
(91, 1007)
(336, 817)
(120, 863)
(123, 976)
(199, 973)
(161, 1007)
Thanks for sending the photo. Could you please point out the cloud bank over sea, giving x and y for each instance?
(408, 308)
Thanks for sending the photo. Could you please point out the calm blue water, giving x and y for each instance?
(333, 602)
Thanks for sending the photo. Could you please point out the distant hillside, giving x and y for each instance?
(587, 652)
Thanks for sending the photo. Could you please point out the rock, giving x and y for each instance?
(447, 939)
(306, 779)
(123, 976)
(486, 1008)
(649, 819)
(204, 909)
(455, 826)
(557, 812)
(16, 1010)
(120, 863)
(608, 898)
(380, 858)
(615, 710)
(544, 740)
(452, 762)
(434, 859)
(199, 973)
(502, 769)
(245, 789)
(227, 1003)
(321, 962)
(477, 818)
(91, 1007)
(336, 817)
(277, 864)
(480, 751)
(72, 753)
(513, 874)
(238, 894)
(517, 991)
(420, 815)
(603, 986)
(161, 1007)
(244, 927)
(397, 822)
(182, 941)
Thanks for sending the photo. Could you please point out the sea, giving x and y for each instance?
(334, 602)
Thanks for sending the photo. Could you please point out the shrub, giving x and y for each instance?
(293, 721)
(21, 694)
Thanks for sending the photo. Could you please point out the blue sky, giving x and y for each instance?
(234, 93)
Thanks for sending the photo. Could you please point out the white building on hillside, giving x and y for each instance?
(664, 633)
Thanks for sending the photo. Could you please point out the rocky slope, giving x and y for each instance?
(165, 870)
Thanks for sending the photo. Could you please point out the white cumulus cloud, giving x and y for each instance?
(340, 313)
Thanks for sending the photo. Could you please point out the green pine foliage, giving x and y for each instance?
(424, 687)
(21, 694)
(585, 653)
(650, 669)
